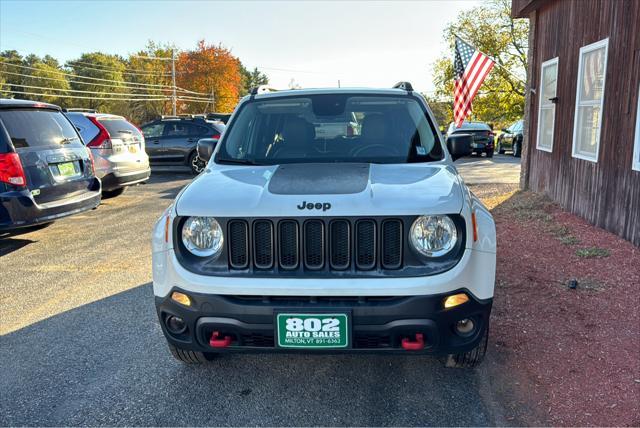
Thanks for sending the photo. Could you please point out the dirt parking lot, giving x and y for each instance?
(81, 345)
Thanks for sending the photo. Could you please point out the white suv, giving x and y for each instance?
(362, 242)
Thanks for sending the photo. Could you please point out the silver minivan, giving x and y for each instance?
(118, 149)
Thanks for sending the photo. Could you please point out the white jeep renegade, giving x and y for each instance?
(327, 220)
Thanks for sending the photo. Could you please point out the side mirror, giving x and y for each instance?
(206, 146)
(459, 145)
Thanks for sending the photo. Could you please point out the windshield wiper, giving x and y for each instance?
(67, 140)
(237, 161)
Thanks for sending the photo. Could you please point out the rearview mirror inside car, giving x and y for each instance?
(459, 145)
(206, 146)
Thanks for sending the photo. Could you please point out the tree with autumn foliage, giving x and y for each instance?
(209, 69)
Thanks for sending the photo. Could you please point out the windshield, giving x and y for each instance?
(331, 128)
(469, 126)
(516, 126)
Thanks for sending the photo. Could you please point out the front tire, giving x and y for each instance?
(469, 359)
(517, 149)
(186, 356)
(196, 164)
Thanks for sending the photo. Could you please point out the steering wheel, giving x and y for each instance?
(374, 150)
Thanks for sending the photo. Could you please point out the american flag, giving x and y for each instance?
(471, 67)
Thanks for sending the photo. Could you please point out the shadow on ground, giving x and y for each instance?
(106, 363)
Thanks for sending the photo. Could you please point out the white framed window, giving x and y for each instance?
(592, 69)
(546, 104)
(636, 145)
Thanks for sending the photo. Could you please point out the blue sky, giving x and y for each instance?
(314, 43)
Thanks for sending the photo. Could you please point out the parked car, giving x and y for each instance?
(511, 139)
(483, 136)
(290, 242)
(46, 173)
(222, 117)
(171, 141)
(118, 149)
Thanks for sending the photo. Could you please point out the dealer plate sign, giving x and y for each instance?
(313, 331)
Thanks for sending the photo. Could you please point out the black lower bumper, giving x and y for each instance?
(19, 209)
(377, 324)
(112, 181)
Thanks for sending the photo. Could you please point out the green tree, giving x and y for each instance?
(10, 74)
(491, 29)
(98, 65)
(150, 66)
(251, 79)
(50, 77)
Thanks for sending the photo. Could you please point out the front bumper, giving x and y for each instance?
(19, 209)
(378, 324)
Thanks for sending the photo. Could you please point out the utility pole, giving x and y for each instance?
(173, 80)
(212, 101)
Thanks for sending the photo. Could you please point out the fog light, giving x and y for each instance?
(176, 325)
(181, 298)
(455, 300)
(465, 326)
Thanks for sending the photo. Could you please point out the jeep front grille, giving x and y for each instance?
(315, 244)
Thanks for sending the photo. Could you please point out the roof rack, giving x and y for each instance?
(403, 85)
(262, 89)
(182, 116)
(80, 110)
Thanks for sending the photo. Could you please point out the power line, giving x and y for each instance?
(157, 58)
(133, 73)
(124, 84)
(3, 61)
(79, 97)
(85, 77)
(86, 98)
(92, 92)
(179, 97)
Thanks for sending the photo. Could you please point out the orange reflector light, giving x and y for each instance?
(166, 229)
(455, 300)
(181, 298)
(475, 226)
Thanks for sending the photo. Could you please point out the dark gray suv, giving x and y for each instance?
(172, 141)
(46, 173)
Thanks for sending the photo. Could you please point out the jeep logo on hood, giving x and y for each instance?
(315, 206)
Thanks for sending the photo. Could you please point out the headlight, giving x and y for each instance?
(433, 235)
(202, 236)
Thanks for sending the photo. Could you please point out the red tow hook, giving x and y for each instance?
(217, 342)
(416, 345)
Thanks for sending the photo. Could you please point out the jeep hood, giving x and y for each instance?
(350, 189)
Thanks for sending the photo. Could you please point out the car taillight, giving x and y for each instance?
(102, 140)
(11, 171)
(93, 165)
(215, 136)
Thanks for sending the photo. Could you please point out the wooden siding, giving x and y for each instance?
(606, 193)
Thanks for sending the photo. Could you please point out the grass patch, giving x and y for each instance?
(592, 252)
(569, 240)
(528, 206)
